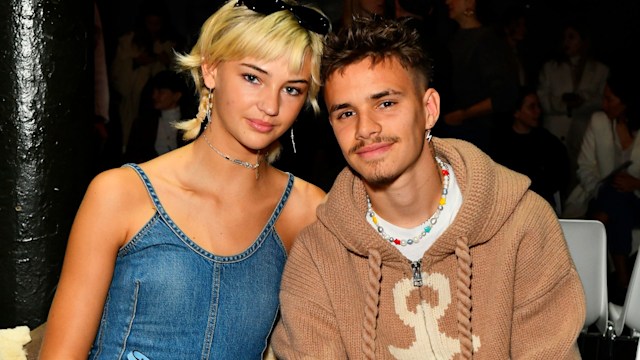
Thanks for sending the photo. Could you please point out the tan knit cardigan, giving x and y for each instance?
(499, 283)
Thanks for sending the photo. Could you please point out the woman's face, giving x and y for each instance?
(573, 43)
(153, 24)
(458, 7)
(255, 101)
(611, 104)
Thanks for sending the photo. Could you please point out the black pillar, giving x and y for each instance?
(46, 111)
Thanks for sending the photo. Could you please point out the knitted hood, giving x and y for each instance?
(483, 212)
(485, 208)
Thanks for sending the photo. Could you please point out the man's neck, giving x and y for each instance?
(410, 199)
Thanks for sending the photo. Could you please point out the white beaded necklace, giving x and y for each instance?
(427, 225)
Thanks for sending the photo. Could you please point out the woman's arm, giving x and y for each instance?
(588, 170)
(481, 108)
(99, 230)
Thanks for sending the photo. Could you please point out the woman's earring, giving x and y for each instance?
(293, 142)
(427, 135)
(208, 113)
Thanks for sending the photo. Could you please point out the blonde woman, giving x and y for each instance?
(180, 257)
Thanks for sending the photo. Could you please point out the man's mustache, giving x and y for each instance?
(378, 139)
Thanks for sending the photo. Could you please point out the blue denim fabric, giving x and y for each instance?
(171, 299)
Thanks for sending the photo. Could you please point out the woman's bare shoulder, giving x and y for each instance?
(116, 182)
(308, 194)
(115, 190)
(118, 197)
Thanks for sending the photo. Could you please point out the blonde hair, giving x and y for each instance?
(234, 32)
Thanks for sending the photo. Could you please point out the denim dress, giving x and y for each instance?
(171, 299)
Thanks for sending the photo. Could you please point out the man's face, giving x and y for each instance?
(379, 118)
(372, 6)
(573, 43)
(529, 113)
(165, 99)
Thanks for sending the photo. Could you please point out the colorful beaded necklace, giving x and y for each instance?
(427, 225)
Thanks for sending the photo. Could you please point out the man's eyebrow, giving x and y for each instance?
(338, 107)
(374, 96)
(384, 93)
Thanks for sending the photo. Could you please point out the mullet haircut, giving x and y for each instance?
(377, 39)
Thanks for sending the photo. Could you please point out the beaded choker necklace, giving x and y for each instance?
(427, 225)
(245, 164)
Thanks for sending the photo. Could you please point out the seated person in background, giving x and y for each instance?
(165, 102)
(570, 87)
(425, 248)
(609, 172)
(530, 149)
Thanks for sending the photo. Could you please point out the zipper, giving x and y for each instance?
(417, 273)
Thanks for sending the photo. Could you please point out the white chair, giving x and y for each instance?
(629, 313)
(587, 241)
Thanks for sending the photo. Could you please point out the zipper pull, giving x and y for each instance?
(417, 274)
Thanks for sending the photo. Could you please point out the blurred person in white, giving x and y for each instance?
(570, 89)
(609, 172)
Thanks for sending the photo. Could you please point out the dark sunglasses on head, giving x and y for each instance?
(308, 18)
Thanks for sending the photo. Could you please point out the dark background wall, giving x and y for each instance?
(613, 22)
(45, 100)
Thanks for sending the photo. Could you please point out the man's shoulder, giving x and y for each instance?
(315, 236)
(533, 213)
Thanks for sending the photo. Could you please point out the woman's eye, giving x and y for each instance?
(251, 78)
(292, 91)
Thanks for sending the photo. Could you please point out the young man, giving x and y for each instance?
(425, 248)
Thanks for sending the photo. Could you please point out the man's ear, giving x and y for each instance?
(431, 103)
(209, 73)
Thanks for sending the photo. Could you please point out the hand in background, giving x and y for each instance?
(572, 100)
(625, 182)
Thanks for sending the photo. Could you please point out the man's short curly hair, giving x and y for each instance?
(377, 39)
